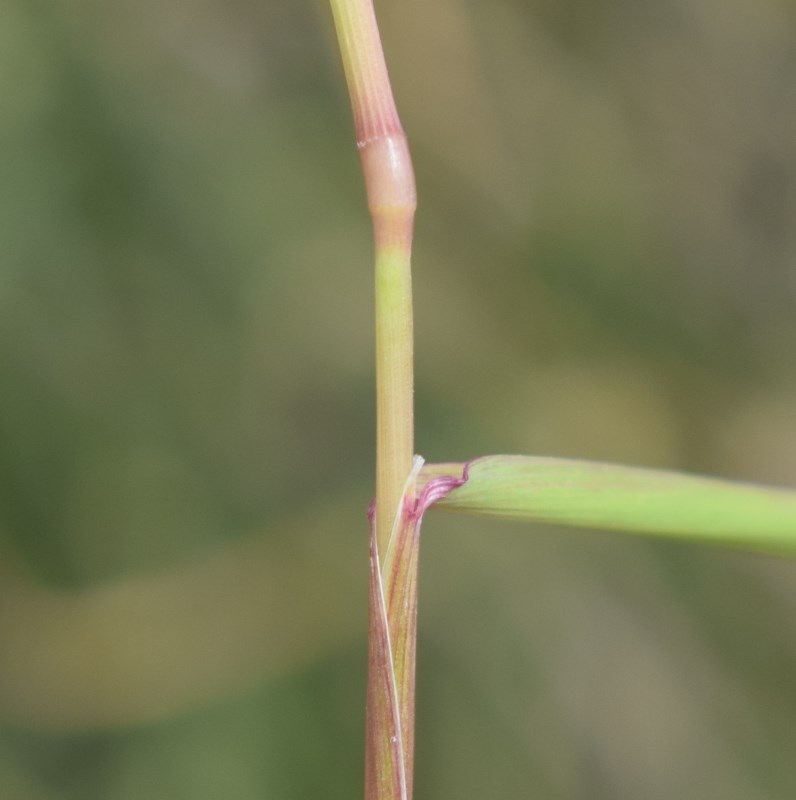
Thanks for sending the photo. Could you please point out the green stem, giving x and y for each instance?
(394, 370)
(390, 186)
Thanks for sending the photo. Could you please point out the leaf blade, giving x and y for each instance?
(630, 499)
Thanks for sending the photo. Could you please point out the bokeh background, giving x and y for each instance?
(605, 267)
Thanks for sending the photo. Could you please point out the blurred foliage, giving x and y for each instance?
(605, 268)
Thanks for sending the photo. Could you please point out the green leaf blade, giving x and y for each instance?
(615, 497)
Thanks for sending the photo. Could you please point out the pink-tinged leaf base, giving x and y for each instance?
(385, 762)
(389, 748)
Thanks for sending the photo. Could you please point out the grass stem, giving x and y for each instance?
(390, 185)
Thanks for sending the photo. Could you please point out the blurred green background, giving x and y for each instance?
(605, 267)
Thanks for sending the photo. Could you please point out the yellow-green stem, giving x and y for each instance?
(394, 373)
(390, 185)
